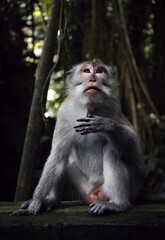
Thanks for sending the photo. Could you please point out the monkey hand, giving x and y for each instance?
(93, 124)
(30, 207)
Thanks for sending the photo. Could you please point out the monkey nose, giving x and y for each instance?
(92, 79)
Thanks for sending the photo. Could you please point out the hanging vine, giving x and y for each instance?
(135, 92)
(60, 37)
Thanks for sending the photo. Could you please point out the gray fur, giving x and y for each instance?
(102, 149)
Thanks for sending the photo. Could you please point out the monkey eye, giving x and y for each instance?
(86, 70)
(99, 70)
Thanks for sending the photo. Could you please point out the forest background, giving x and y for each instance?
(127, 34)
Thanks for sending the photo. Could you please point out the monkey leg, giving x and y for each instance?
(116, 187)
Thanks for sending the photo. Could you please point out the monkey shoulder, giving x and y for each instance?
(126, 122)
(70, 111)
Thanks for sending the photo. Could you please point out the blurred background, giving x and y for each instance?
(128, 35)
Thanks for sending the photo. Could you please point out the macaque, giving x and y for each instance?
(94, 144)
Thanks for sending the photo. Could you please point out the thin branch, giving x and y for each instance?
(132, 100)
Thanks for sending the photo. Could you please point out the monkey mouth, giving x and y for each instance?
(91, 90)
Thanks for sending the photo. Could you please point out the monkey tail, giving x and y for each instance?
(151, 196)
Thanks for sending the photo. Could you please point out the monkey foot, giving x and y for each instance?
(97, 208)
(102, 207)
(24, 212)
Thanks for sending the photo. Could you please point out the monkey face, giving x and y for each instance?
(92, 80)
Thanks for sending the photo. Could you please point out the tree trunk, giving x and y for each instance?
(99, 36)
(35, 123)
(159, 78)
(136, 94)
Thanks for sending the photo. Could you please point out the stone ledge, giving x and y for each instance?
(72, 222)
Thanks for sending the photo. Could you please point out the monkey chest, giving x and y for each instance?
(89, 154)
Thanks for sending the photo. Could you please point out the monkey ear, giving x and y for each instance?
(69, 72)
(72, 70)
(113, 71)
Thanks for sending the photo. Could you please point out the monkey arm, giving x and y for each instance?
(121, 134)
(52, 172)
(50, 176)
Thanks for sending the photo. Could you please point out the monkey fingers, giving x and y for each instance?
(97, 208)
(24, 212)
(83, 130)
(102, 207)
(87, 131)
(83, 126)
(87, 119)
(20, 212)
(93, 125)
(26, 204)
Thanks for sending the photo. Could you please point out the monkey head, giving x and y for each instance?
(92, 80)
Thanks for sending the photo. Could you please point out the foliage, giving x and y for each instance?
(34, 30)
(127, 34)
(105, 23)
(155, 164)
(54, 96)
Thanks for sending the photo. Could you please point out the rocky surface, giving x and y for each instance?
(72, 222)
